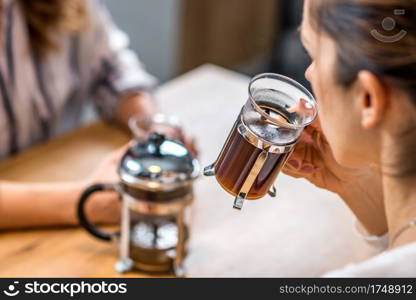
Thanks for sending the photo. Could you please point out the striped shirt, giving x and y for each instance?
(42, 98)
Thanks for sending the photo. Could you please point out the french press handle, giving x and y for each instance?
(82, 217)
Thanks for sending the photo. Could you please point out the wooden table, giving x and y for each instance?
(304, 232)
(59, 252)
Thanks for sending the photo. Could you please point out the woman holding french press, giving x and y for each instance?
(57, 55)
(363, 147)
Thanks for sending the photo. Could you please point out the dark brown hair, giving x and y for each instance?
(46, 19)
(350, 24)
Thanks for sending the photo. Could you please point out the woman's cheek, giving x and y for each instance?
(330, 121)
(338, 137)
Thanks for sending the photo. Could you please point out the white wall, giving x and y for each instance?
(153, 27)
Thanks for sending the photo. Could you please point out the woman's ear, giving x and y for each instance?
(373, 99)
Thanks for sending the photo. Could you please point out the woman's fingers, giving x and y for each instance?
(300, 169)
(298, 173)
(292, 173)
(190, 143)
(115, 156)
(303, 107)
(304, 156)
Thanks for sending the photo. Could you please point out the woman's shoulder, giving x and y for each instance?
(399, 262)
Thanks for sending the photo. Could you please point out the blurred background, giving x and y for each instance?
(248, 36)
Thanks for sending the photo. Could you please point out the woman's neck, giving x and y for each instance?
(399, 188)
(400, 203)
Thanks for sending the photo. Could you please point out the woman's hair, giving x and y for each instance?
(46, 19)
(356, 27)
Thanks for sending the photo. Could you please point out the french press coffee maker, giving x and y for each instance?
(263, 137)
(155, 188)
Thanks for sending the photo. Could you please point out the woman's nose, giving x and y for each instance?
(308, 73)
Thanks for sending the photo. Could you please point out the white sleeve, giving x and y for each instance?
(377, 241)
(399, 262)
(116, 69)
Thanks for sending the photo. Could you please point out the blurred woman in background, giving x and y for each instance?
(364, 145)
(55, 56)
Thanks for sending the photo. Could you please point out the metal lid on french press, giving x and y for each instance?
(159, 164)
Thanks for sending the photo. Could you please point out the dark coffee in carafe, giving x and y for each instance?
(263, 137)
(237, 160)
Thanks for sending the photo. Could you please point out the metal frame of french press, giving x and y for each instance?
(257, 142)
(125, 263)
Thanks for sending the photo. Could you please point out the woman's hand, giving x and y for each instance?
(104, 207)
(313, 160)
(174, 132)
(360, 188)
(30, 205)
(177, 134)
